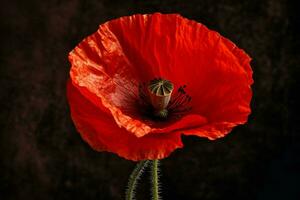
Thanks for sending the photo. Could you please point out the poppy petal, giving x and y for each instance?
(173, 47)
(100, 131)
(110, 64)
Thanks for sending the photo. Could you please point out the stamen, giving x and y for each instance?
(180, 103)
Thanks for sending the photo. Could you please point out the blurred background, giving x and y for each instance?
(43, 157)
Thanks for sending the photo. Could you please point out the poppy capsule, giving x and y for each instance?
(160, 91)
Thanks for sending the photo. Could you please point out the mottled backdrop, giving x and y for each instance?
(43, 157)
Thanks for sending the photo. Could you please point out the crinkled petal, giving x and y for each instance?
(100, 131)
(130, 50)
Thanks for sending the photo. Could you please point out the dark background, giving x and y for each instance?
(43, 157)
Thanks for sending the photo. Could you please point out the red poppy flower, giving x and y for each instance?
(111, 68)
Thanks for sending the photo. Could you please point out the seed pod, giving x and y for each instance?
(160, 91)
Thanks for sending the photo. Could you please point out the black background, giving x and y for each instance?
(43, 157)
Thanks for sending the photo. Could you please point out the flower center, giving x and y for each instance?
(160, 91)
(158, 101)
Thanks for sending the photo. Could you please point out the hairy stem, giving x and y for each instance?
(134, 177)
(155, 180)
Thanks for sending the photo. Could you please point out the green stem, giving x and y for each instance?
(155, 180)
(134, 177)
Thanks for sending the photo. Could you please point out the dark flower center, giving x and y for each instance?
(158, 101)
